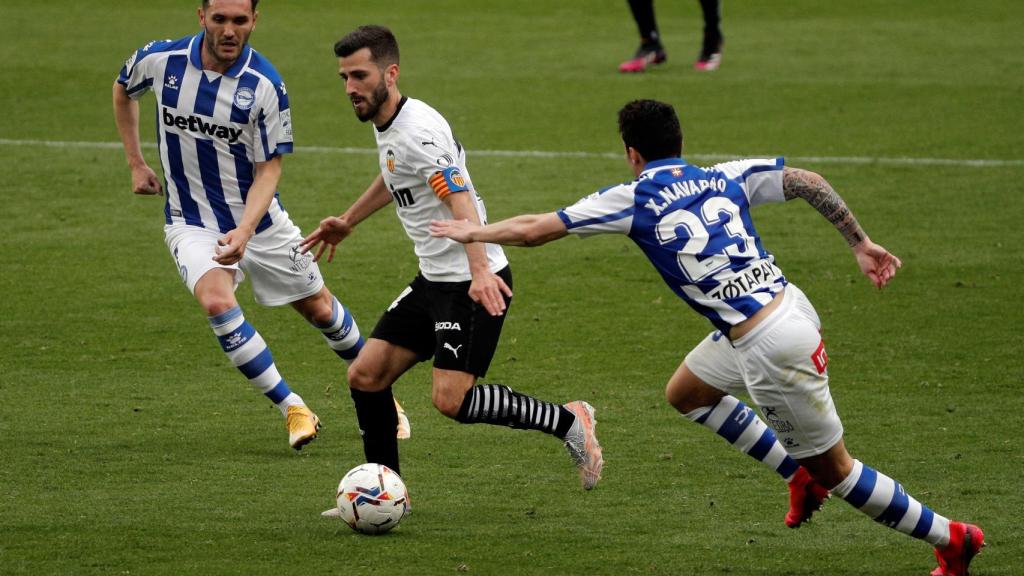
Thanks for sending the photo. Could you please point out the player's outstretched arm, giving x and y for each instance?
(333, 229)
(875, 262)
(126, 116)
(486, 287)
(524, 230)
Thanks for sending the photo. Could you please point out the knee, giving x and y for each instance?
(318, 309)
(215, 292)
(215, 305)
(676, 396)
(447, 403)
(361, 377)
(687, 396)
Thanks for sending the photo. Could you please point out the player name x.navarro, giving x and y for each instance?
(196, 124)
(682, 189)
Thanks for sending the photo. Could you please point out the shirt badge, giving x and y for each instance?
(389, 158)
(245, 97)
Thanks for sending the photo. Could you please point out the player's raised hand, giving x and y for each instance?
(145, 182)
(231, 247)
(458, 230)
(487, 290)
(331, 231)
(875, 262)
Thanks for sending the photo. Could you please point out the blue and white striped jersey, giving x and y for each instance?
(212, 128)
(694, 225)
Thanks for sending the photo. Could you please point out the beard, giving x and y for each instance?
(215, 50)
(373, 104)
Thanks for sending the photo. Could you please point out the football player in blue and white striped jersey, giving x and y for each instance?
(694, 225)
(223, 125)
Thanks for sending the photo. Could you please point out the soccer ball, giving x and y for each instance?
(372, 498)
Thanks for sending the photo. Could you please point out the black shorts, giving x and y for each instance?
(440, 320)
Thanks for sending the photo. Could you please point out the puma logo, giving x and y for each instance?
(455, 351)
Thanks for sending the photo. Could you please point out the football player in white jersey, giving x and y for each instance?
(223, 125)
(694, 225)
(454, 309)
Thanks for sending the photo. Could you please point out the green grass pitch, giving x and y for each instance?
(128, 445)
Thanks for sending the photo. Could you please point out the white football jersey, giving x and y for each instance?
(422, 164)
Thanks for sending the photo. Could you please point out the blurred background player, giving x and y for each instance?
(453, 310)
(223, 125)
(651, 51)
(694, 225)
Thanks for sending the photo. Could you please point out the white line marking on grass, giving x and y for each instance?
(856, 160)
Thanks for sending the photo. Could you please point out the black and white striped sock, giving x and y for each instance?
(500, 405)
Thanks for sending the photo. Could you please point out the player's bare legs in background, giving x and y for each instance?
(249, 353)
(215, 291)
(317, 309)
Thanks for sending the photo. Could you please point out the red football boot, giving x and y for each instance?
(805, 498)
(965, 541)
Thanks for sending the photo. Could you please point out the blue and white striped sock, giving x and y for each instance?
(249, 353)
(740, 426)
(885, 500)
(342, 333)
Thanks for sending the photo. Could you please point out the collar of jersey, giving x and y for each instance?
(384, 127)
(658, 164)
(195, 56)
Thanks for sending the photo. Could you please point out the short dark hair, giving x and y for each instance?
(652, 129)
(206, 4)
(381, 42)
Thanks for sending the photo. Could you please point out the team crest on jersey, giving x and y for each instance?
(389, 158)
(245, 97)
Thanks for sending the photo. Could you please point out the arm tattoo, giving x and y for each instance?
(817, 192)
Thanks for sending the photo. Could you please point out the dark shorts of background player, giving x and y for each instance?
(440, 320)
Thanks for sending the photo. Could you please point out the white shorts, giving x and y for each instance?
(280, 272)
(783, 366)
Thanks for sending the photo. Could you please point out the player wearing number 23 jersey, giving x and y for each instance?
(694, 225)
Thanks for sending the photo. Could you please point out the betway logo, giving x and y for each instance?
(196, 124)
